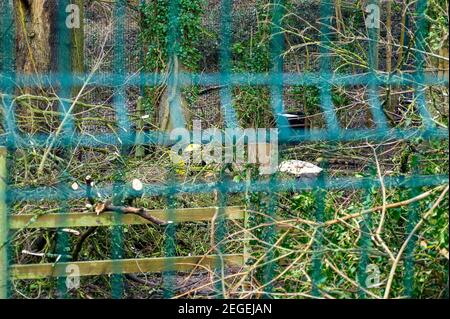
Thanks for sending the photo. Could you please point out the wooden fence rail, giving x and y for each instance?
(125, 266)
(108, 219)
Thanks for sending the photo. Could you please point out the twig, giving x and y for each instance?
(44, 255)
(383, 209)
(71, 231)
(387, 206)
(284, 223)
(354, 283)
(209, 89)
(68, 113)
(79, 244)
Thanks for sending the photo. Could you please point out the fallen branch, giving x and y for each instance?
(383, 209)
(387, 206)
(90, 198)
(79, 244)
(45, 255)
(410, 236)
(285, 223)
(107, 207)
(354, 283)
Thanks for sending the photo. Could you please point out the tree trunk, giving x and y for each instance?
(40, 39)
(34, 43)
(174, 96)
(339, 19)
(78, 41)
(389, 103)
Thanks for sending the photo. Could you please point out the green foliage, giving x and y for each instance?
(307, 95)
(154, 38)
(253, 55)
(253, 106)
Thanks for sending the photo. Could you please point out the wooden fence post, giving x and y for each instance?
(3, 227)
(247, 237)
(139, 150)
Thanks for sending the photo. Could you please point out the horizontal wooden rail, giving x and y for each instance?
(122, 266)
(107, 218)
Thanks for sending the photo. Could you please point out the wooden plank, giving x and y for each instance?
(107, 218)
(3, 227)
(126, 266)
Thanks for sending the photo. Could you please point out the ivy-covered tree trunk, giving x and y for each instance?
(34, 30)
(156, 40)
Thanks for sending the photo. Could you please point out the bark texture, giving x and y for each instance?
(34, 25)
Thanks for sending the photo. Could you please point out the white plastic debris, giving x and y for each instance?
(75, 186)
(300, 168)
(136, 184)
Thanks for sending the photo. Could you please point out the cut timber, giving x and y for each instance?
(107, 218)
(125, 266)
